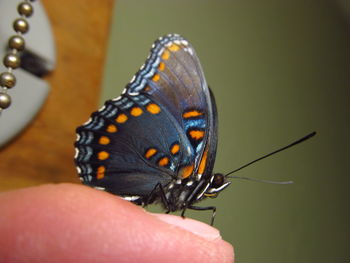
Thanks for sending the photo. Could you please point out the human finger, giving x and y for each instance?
(74, 223)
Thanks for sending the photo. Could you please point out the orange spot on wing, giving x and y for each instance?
(174, 47)
(111, 128)
(150, 152)
(155, 77)
(161, 66)
(163, 161)
(166, 55)
(203, 163)
(104, 140)
(196, 135)
(175, 148)
(121, 118)
(186, 171)
(103, 155)
(192, 113)
(136, 111)
(153, 108)
(100, 172)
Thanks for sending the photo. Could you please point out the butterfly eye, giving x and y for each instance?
(219, 180)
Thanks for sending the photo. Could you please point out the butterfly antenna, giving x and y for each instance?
(260, 180)
(267, 155)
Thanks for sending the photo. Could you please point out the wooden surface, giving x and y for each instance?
(44, 152)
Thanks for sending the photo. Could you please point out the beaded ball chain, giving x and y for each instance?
(12, 59)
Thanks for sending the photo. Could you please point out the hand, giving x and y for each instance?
(74, 223)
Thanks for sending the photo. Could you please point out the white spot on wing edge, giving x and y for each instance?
(99, 188)
(189, 50)
(76, 153)
(184, 42)
(88, 121)
(117, 98)
(102, 108)
(131, 198)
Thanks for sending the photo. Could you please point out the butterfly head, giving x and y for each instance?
(218, 183)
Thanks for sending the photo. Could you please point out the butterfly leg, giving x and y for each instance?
(212, 208)
(158, 189)
(183, 212)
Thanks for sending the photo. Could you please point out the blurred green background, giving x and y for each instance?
(279, 70)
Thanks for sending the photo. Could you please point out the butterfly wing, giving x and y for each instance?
(173, 75)
(124, 148)
(161, 127)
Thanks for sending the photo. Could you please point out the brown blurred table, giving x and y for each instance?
(44, 152)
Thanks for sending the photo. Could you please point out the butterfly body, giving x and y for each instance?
(157, 141)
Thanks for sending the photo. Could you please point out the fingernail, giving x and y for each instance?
(196, 227)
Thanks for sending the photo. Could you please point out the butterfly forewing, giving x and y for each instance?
(175, 78)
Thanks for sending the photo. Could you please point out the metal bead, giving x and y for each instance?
(25, 9)
(16, 42)
(7, 80)
(5, 100)
(21, 25)
(12, 61)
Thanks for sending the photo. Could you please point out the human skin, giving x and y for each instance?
(74, 223)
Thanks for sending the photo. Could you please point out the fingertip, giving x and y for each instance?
(220, 250)
(196, 227)
(67, 222)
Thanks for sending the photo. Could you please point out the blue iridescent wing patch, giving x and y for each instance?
(161, 131)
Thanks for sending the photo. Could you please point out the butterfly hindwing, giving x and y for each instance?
(121, 152)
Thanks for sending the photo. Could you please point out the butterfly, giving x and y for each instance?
(156, 143)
